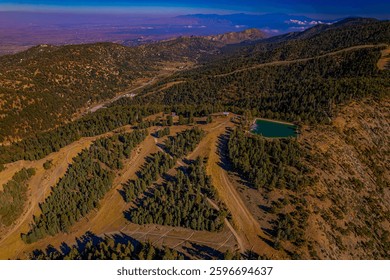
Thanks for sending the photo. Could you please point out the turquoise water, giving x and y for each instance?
(274, 129)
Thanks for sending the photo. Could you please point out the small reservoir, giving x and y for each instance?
(274, 129)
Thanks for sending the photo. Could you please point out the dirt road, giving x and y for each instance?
(286, 62)
(249, 233)
(128, 93)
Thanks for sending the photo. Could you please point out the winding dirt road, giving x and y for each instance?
(286, 62)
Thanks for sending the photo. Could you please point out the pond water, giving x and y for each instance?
(274, 129)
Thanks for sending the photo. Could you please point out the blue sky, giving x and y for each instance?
(329, 8)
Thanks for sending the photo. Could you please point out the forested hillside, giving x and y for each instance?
(44, 143)
(181, 202)
(318, 40)
(318, 195)
(305, 90)
(304, 78)
(13, 197)
(85, 183)
(46, 85)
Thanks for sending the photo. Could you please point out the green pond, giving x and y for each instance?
(272, 129)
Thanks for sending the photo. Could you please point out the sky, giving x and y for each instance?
(320, 9)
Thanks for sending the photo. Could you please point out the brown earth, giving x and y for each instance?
(384, 61)
(349, 213)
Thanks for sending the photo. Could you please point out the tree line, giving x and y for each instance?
(13, 197)
(163, 132)
(307, 91)
(269, 164)
(102, 121)
(276, 164)
(161, 162)
(108, 248)
(184, 142)
(155, 166)
(181, 202)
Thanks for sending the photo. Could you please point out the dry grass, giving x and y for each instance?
(384, 61)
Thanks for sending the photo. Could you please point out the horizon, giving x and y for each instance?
(331, 9)
(25, 23)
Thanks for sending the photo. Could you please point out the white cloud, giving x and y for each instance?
(304, 23)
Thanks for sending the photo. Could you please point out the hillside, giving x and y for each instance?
(238, 37)
(47, 85)
(339, 209)
(171, 169)
(301, 79)
(350, 202)
(317, 40)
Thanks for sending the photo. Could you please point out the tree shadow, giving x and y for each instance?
(203, 252)
(268, 241)
(225, 162)
(188, 161)
(89, 236)
(201, 122)
(122, 193)
(266, 209)
(122, 238)
(168, 178)
(164, 148)
(65, 249)
(81, 242)
(81, 246)
(127, 214)
(250, 255)
(222, 151)
(269, 232)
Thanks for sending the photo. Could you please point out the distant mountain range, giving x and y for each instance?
(270, 23)
(22, 30)
(252, 34)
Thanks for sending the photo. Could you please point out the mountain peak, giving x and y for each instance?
(238, 37)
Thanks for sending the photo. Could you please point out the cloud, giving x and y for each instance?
(304, 23)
